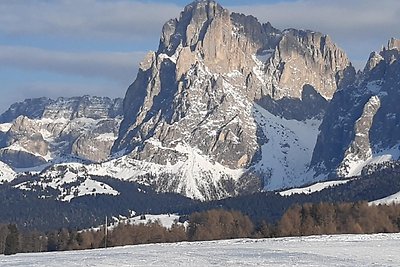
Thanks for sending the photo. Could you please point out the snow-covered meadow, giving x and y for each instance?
(337, 250)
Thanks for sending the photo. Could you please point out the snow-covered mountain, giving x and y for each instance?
(65, 182)
(39, 131)
(225, 106)
(362, 123)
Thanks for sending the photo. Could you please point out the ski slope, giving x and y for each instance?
(338, 250)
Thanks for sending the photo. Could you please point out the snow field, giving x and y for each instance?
(312, 188)
(392, 199)
(337, 250)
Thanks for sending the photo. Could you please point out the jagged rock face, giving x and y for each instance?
(31, 108)
(20, 159)
(95, 144)
(39, 130)
(83, 107)
(362, 124)
(306, 58)
(212, 71)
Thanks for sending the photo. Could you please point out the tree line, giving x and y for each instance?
(30, 210)
(307, 219)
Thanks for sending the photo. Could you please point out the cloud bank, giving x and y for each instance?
(111, 65)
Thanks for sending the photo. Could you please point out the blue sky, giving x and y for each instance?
(76, 47)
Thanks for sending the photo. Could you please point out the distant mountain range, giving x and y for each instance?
(227, 106)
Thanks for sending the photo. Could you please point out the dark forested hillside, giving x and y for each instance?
(271, 206)
(28, 209)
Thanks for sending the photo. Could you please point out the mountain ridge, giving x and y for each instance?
(201, 90)
(37, 131)
(226, 106)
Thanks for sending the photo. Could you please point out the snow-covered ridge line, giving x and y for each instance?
(392, 199)
(72, 180)
(312, 188)
(357, 165)
(165, 220)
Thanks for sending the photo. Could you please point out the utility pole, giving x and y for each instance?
(105, 234)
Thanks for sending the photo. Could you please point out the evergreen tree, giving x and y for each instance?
(12, 240)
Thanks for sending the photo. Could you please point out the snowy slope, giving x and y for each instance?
(4, 127)
(285, 158)
(6, 173)
(72, 180)
(357, 165)
(195, 173)
(288, 151)
(312, 188)
(339, 250)
(393, 199)
(166, 220)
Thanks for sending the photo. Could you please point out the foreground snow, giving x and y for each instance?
(339, 250)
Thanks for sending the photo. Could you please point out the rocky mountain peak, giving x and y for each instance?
(36, 131)
(64, 108)
(92, 107)
(379, 62)
(219, 88)
(32, 108)
(394, 44)
(191, 26)
(361, 125)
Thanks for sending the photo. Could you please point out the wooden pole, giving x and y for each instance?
(105, 235)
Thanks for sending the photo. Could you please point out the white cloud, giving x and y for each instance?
(87, 19)
(109, 65)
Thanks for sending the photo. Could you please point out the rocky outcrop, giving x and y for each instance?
(306, 58)
(91, 107)
(361, 125)
(95, 144)
(31, 108)
(40, 130)
(200, 91)
(20, 158)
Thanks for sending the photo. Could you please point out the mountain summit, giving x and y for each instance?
(362, 124)
(38, 131)
(223, 106)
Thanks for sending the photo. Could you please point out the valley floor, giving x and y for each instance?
(337, 250)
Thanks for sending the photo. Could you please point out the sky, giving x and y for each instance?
(69, 48)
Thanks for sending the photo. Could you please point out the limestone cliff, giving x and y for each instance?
(200, 92)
